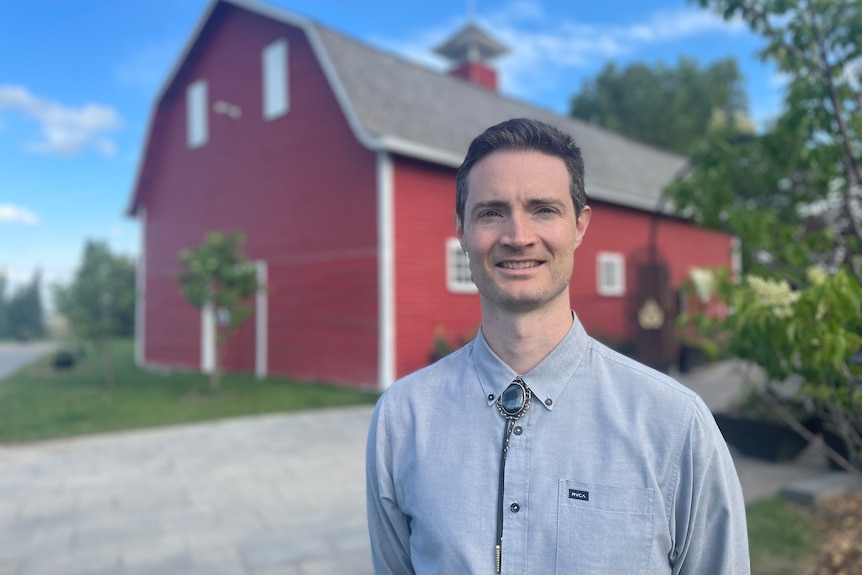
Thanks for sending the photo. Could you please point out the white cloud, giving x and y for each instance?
(569, 45)
(542, 46)
(66, 130)
(10, 214)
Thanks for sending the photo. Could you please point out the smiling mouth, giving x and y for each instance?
(519, 265)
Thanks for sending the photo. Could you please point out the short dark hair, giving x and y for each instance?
(523, 134)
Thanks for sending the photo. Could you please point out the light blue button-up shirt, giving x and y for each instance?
(616, 469)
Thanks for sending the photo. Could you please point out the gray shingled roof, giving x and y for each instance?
(409, 109)
(400, 100)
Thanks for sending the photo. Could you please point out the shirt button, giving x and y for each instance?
(490, 397)
(549, 402)
(515, 507)
(518, 430)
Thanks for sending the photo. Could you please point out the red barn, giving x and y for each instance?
(337, 161)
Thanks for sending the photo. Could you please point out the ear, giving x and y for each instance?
(459, 230)
(581, 225)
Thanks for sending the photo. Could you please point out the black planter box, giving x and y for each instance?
(760, 438)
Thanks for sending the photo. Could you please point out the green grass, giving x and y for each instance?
(39, 402)
(782, 538)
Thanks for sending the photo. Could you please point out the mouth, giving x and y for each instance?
(519, 265)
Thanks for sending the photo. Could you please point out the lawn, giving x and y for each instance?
(40, 402)
(782, 538)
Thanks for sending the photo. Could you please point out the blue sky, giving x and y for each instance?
(78, 80)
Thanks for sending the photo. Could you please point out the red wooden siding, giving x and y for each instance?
(424, 207)
(626, 231)
(424, 217)
(302, 190)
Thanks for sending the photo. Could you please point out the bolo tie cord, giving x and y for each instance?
(511, 413)
(510, 424)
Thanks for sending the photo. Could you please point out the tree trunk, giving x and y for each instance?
(215, 376)
(107, 363)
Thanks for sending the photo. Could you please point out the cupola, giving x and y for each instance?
(471, 50)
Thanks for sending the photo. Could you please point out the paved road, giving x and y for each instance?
(14, 356)
(270, 495)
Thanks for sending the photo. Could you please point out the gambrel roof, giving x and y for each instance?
(406, 108)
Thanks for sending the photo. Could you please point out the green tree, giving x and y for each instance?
(217, 278)
(100, 301)
(663, 106)
(801, 181)
(794, 197)
(25, 317)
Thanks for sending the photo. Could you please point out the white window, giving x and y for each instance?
(458, 276)
(274, 64)
(611, 274)
(197, 118)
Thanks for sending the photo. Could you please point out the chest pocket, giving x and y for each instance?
(603, 529)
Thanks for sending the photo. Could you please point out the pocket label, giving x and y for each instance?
(579, 495)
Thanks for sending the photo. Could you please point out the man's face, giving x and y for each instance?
(520, 230)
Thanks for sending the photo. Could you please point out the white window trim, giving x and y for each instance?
(617, 260)
(197, 114)
(274, 78)
(454, 253)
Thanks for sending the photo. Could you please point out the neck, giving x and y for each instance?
(523, 339)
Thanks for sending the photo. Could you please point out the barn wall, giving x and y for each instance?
(301, 189)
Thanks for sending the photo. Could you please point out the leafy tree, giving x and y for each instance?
(25, 318)
(794, 197)
(800, 183)
(217, 277)
(667, 107)
(100, 301)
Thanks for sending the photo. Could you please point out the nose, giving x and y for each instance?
(518, 232)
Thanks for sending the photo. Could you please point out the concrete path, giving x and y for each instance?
(272, 495)
(269, 495)
(14, 356)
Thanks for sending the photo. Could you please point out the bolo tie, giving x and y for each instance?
(512, 403)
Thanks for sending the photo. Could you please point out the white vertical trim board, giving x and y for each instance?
(261, 319)
(386, 271)
(208, 338)
(141, 290)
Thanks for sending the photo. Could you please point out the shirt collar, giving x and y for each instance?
(547, 380)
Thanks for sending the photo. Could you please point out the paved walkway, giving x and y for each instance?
(269, 495)
(14, 356)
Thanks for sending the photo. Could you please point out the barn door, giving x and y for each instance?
(654, 315)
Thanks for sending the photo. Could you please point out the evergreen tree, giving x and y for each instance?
(100, 301)
(25, 318)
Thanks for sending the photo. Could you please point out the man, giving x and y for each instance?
(534, 449)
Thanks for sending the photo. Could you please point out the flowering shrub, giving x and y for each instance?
(813, 333)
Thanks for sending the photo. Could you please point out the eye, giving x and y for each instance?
(489, 214)
(546, 210)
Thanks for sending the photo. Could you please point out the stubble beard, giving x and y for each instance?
(521, 300)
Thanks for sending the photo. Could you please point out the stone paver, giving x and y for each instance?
(251, 496)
